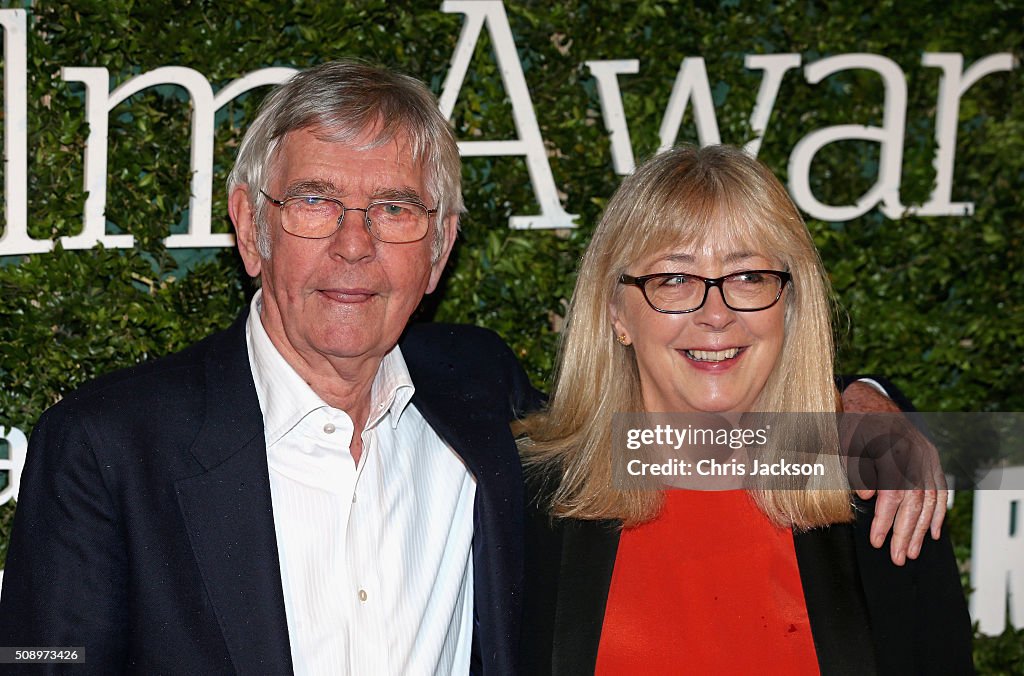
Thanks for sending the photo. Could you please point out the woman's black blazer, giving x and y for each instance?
(867, 615)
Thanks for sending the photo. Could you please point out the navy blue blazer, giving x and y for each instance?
(145, 532)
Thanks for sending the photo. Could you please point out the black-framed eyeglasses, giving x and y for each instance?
(317, 217)
(678, 293)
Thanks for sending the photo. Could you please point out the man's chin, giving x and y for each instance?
(351, 343)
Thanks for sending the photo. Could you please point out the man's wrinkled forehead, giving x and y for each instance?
(371, 138)
(366, 136)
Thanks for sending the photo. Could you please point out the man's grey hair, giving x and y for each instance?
(346, 99)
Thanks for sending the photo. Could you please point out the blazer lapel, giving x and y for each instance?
(228, 514)
(835, 602)
(588, 558)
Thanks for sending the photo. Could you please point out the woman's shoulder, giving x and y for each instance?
(550, 538)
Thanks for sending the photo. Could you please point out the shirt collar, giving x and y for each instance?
(285, 398)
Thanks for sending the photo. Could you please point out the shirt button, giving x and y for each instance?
(329, 428)
(362, 595)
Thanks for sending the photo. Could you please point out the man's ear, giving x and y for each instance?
(451, 231)
(242, 215)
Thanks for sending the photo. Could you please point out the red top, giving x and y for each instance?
(709, 587)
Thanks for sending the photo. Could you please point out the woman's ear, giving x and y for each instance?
(622, 334)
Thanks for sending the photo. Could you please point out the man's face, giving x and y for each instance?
(345, 298)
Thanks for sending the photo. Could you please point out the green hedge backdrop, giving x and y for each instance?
(935, 303)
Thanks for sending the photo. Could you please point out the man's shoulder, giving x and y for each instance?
(147, 416)
(455, 360)
(171, 377)
(439, 337)
(458, 348)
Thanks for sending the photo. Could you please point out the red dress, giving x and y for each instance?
(709, 587)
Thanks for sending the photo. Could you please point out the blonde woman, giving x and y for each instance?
(702, 292)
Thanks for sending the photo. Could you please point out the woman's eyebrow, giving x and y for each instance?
(687, 259)
(740, 256)
(676, 258)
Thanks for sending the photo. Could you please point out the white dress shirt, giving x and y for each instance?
(376, 560)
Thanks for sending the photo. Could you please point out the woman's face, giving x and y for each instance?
(712, 360)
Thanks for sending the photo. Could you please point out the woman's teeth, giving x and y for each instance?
(708, 355)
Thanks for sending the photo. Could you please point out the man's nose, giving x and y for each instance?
(352, 240)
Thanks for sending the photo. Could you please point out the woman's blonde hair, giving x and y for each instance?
(683, 198)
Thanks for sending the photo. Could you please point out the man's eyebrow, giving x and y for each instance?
(403, 193)
(311, 186)
(327, 188)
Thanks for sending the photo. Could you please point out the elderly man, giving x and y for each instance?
(302, 491)
(317, 489)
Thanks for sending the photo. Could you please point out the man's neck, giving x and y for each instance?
(344, 384)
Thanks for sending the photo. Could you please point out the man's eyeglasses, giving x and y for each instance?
(316, 217)
(678, 293)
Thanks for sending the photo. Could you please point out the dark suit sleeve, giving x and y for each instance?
(893, 392)
(918, 614)
(65, 572)
(543, 554)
